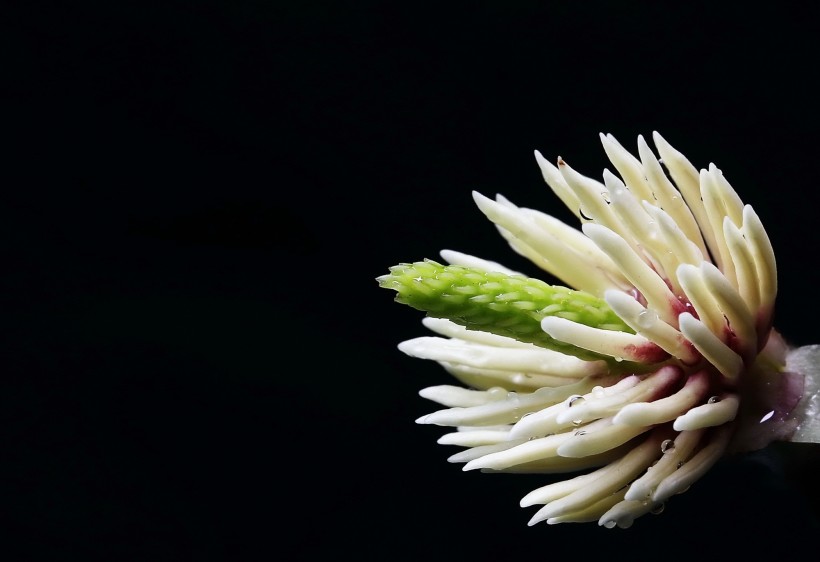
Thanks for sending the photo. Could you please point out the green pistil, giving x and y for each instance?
(506, 305)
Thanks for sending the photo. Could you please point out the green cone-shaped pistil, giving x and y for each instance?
(506, 305)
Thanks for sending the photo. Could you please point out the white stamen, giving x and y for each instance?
(635, 269)
(695, 467)
(507, 410)
(668, 198)
(647, 323)
(731, 304)
(557, 490)
(620, 345)
(710, 346)
(466, 260)
(668, 408)
(474, 438)
(590, 193)
(691, 279)
(645, 486)
(763, 255)
(745, 269)
(624, 513)
(687, 179)
(588, 513)
(537, 243)
(628, 166)
(594, 408)
(473, 453)
(512, 380)
(609, 480)
(677, 247)
(534, 360)
(455, 396)
(709, 415)
(543, 422)
(640, 230)
(525, 452)
(448, 328)
(556, 182)
(592, 439)
(713, 201)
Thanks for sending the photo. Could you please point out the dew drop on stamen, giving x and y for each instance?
(513, 397)
(713, 400)
(644, 319)
(496, 393)
(658, 509)
(610, 524)
(598, 392)
(575, 400)
(580, 432)
(583, 215)
(667, 445)
(606, 198)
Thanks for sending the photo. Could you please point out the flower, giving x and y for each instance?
(659, 360)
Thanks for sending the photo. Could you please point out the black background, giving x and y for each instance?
(197, 197)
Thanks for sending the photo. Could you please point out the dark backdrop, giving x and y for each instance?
(197, 197)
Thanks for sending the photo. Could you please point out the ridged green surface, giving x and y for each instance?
(507, 305)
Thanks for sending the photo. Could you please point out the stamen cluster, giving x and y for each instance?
(635, 373)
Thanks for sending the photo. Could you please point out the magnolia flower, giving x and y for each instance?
(658, 358)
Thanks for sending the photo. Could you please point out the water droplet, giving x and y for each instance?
(598, 392)
(610, 524)
(580, 432)
(583, 215)
(658, 509)
(496, 393)
(667, 445)
(713, 400)
(527, 414)
(605, 195)
(576, 423)
(767, 417)
(681, 463)
(575, 400)
(644, 319)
